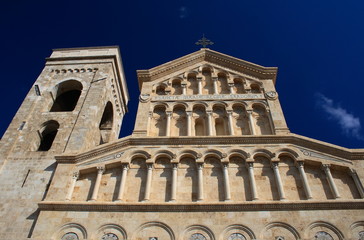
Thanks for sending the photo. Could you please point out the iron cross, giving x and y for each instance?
(204, 41)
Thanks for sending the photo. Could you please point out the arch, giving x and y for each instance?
(197, 228)
(149, 225)
(222, 80)
(240, 119)
(110, 228)
(71, 227)
(207, 86)
(220, 118)
(179, 121)
(106, 123)
(238, 85)
(164, 153)
(288, 152)
(188, 153)
(261, 120)
(255, 88)
(237, 153)
(286, 226)
(66, 96)
(158, 121)
(237, 228)
(161, 88)
(357, 230)
(176, 86)
(47, 135)
(213, 153)
(139, 154)
(199, 116)
(323, 224)
(192, 87)
(263, 152)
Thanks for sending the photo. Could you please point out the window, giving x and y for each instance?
(47, 135)
(66, 96)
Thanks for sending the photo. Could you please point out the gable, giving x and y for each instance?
(207, 57)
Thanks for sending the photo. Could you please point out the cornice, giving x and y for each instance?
(200, 207)
(293, 139)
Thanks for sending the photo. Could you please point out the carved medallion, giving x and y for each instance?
(109, 236)
(70, 236)
(323, 236)
(236, 236)
(197, 236)
(144, 97)
(271, 95)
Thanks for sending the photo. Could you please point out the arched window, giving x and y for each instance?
(160, 90)
(192, 86)
(199, 116)
(66, 96)
(220, 117)
(240, 120)
(321, 235)
(106, 123)
(179, 121)
(255, 88)
(238, 85)
(158, 122)
(223, 87)
(47, 135)
(177, 87)
(208, 87)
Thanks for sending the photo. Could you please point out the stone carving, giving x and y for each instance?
(197, 236)
(319, 155)
(109, 236)
(144, 97)
(207, 97)
(271, 95)
(236, 236)
(107, 158)
(323, 236)
(361, 235)
(70, 236)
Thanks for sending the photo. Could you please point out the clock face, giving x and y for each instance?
(110, 236)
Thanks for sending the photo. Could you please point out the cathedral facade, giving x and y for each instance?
(210, 157)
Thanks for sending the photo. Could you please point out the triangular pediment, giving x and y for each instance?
(206, 56)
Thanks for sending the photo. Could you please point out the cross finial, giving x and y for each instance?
(204, 41)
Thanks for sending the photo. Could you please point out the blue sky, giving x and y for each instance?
(316, 45)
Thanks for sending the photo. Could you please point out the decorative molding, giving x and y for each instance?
(319, 155)
(144, 97)
(271, 95)
(207, 97)
(193, 207)
(103, 159)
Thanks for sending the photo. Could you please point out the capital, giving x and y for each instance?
(100, 170)
(75, 175)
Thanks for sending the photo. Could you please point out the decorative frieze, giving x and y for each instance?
(201, 97)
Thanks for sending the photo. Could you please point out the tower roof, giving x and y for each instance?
(205, 55)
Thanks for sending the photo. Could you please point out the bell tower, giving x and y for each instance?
(77, 103)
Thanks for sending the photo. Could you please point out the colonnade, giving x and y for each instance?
(226, 182)
(206, 82)
(219, 120)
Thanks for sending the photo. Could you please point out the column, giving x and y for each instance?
(150, 114)
(189, 123)
(306, 186)
(200, 182)
(100, 171)
(271, 124)
(174, 182)
(184, 88)
(335, 192)
(214, 81)
(278, 181)
(231, 88)
(199, 85)
(357, 182)
(230, 122)
(209, 123)
(168, 125)
(253, 187)
(225, 172)
(251, 122)
(122, 182)
(148, 184)
(72, 186)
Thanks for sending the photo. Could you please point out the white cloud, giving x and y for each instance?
(183, 12)
(349, 124)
